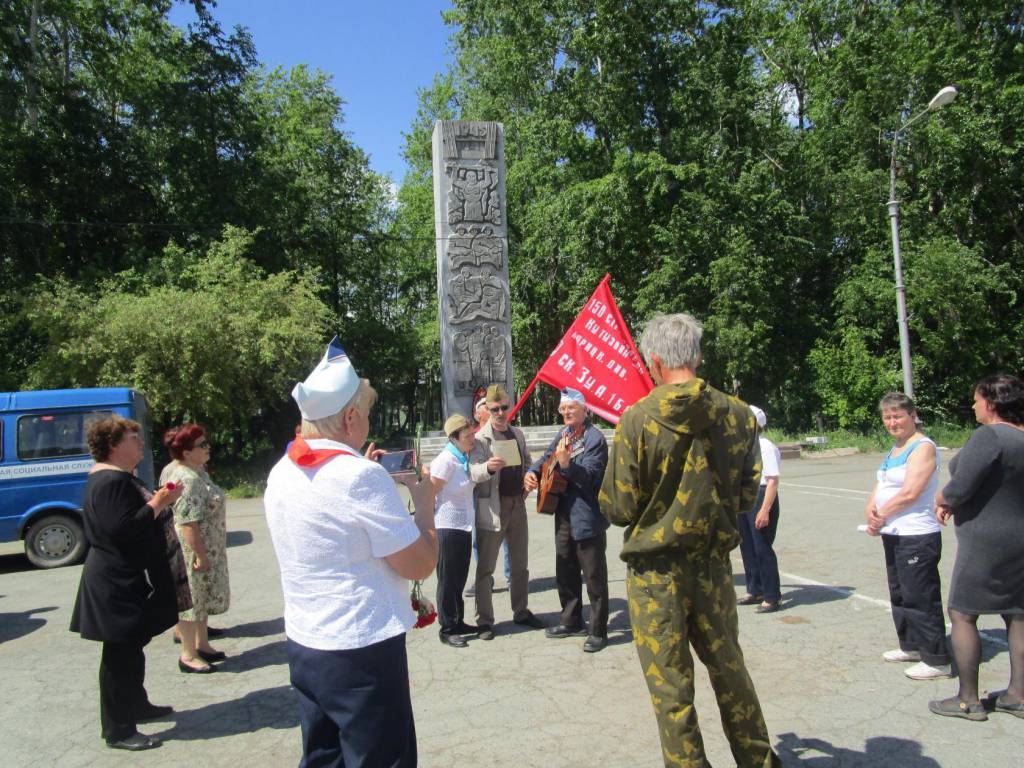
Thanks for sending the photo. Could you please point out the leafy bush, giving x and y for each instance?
(206, 337)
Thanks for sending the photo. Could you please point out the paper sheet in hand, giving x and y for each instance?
(507, 450)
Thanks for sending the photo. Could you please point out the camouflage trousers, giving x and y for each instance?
(673, 605)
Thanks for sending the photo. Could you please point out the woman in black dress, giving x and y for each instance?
(127, 594)
(985, 498)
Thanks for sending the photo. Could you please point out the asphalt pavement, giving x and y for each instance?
(523, 700)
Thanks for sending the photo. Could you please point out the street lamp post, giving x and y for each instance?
(940, 99)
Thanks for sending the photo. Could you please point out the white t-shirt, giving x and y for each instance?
(331, 527)
(453, 508)
(771, 457)
(919, 517)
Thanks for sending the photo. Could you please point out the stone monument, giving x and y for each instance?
(472, 260)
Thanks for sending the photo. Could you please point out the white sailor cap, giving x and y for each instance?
(570, 395)
(759, 416)
(330, 386)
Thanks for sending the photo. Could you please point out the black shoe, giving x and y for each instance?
(768, 607)
(593, 644)
(194, 670)
(462, 628)
(455, 641)
(529, 620)
(211, 658)
(562, 631)
(135, 743)
(750, 600)
(153, 712)
(485, 632)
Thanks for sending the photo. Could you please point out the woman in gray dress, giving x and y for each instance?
(985, 498)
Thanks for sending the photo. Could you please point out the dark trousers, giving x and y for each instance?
(455, 549)
(915, 591)
(760, 565)
(354, 706)
(122, 689)
(571, 558)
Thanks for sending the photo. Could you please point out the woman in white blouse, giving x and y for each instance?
(454, 514)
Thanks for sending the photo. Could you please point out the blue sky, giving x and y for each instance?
(378, 54)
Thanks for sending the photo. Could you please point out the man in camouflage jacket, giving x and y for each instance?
(684, 463)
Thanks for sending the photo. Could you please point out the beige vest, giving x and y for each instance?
(488, 505)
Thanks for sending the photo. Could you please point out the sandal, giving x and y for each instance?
(768, 607)
(954, 707)
(749, 600)
(1003, 703)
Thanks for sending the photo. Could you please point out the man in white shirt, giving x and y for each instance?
(346, 547)
(757, 528)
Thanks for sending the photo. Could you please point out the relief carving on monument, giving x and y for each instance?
(480, 357)
(476, 296)
(474, 302)
(475, 246)
(474, 194)
(457, 136)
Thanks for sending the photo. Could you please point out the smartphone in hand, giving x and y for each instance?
(398, 462)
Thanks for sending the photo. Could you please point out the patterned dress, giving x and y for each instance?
(202, 502)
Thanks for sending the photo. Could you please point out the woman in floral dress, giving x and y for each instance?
(200, 521)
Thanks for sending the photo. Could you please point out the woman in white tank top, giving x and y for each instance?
(901, 510)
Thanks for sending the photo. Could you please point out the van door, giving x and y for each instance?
(44, 488)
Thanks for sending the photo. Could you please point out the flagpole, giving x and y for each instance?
(525, 395)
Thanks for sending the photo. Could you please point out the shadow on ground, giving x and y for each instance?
(795, 595)
(269, 708)
(993, 643)
(263, 628)
(239, 538)
(15, 625)
(542, 585)
(15, 563)
(878, 751)
(268, 655)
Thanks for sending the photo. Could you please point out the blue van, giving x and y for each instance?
(44, 461)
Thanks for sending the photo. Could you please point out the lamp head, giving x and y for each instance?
(943, 97)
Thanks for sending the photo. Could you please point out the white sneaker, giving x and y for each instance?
(922, 671)
(900, 655)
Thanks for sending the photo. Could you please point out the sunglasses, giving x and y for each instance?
(499, 408)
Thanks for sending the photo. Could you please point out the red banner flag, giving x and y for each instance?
(597, 356)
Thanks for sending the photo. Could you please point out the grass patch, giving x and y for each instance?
(944, 435)
(243, 481)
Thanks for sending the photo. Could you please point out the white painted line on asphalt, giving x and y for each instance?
(829, 495)
(837, 590)
(873, 601)
(859, 492)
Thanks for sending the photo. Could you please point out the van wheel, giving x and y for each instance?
(55, 540)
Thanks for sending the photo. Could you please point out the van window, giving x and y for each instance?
(57, 435)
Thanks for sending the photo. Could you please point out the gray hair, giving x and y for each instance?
(675, 339)
(897, 401)
(332, 426)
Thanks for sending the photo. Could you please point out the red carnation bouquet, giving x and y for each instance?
(426, 614)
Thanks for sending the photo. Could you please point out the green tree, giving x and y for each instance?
(206, 336)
